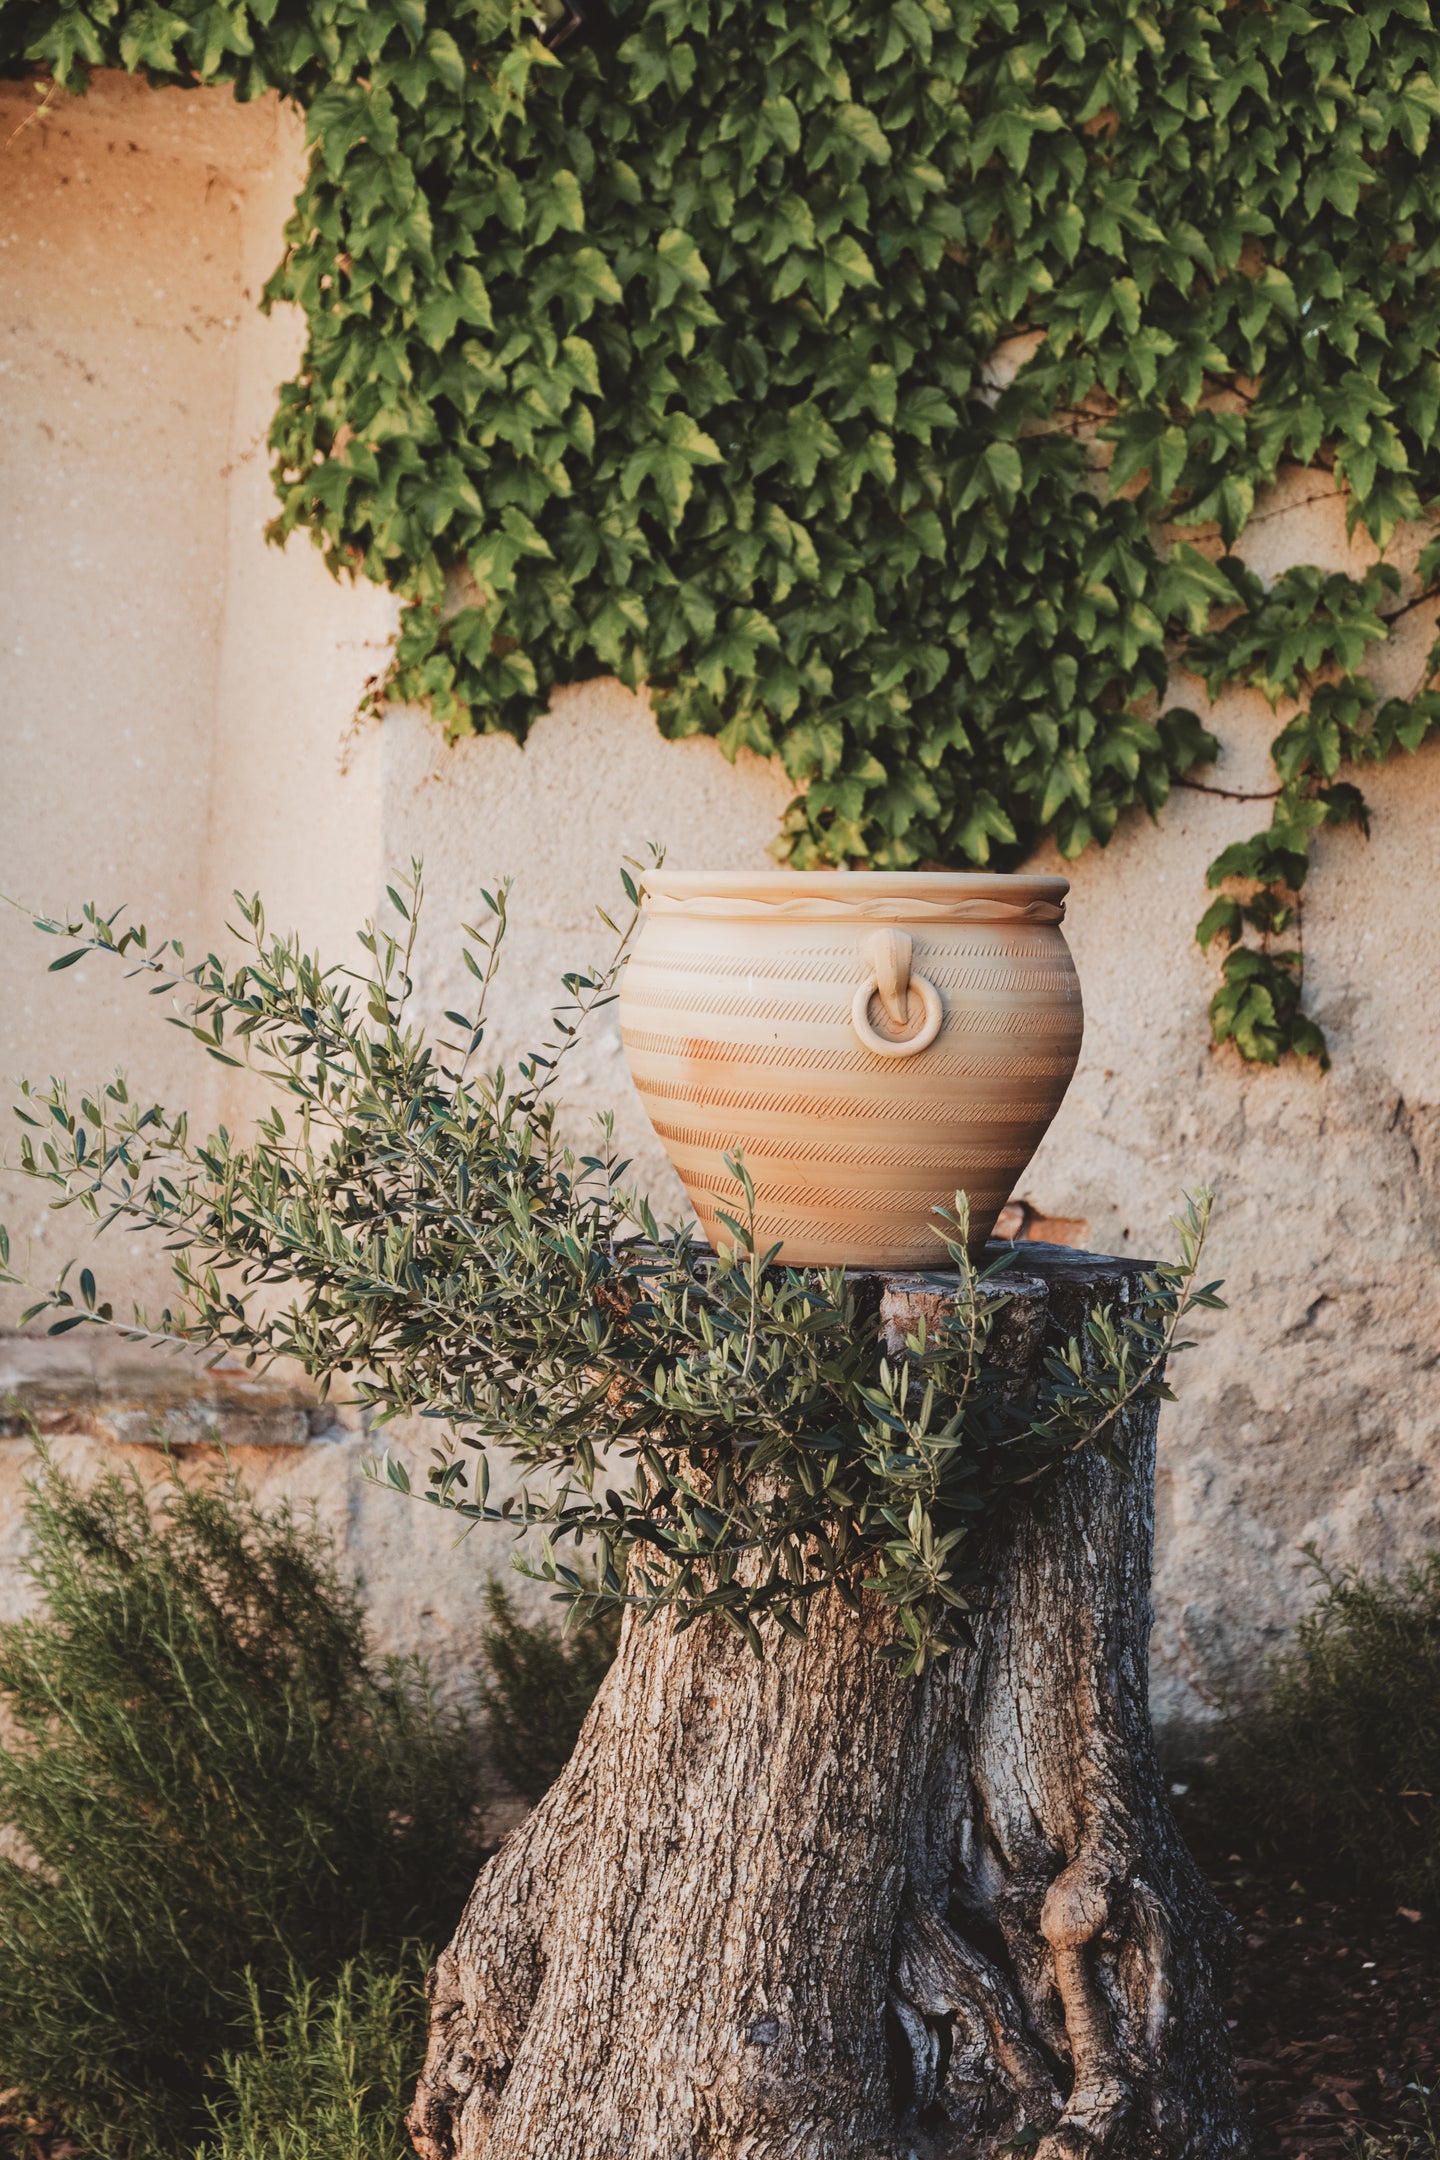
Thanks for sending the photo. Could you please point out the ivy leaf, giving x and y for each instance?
(1309, 743)
(928, 534)
(778, 122)
(1222, 919)
(445, 58)
(1146, 442)
(860, 126)
(798, 440)
(681, 267)
(850, 259)
(72, 45)
(788, 224)
(218, 34)
(589, 277)
(670, 463)
(1185, 740)
(437, 317)
(1229, 503)
(1242, 1011)
(984, 820)
(1005, 471)
(1257, 1007)
(1191, 586)
(558, 206)
(582, 358)
(734, 651)
(1068, 781)
(523, 532)
(1010, 131)
(147, 40)
(615, 626)
(473, 299)
(1414, 107)
(346, 114)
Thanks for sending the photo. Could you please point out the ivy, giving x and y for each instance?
(679, 354)
(1302, 641)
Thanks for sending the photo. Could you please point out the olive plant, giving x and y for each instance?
(727, 1434)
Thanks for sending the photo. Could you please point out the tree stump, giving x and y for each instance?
(801, 1908)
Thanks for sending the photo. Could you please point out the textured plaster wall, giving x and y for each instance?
(178, 722)
(1311, 1414)
(119, 265)
(594, 784)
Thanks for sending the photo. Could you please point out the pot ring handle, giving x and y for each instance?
(889, 953)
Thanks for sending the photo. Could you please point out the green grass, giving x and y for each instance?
(1417, 2139)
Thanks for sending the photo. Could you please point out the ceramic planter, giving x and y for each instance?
(874, 1041)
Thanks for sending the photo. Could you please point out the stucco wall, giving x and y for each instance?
(147, 621)
(1311, 1414)
(179, 723)
(122, 295)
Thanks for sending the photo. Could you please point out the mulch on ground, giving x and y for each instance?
(1334, 2009)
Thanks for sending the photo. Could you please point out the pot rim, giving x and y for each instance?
(895, 895)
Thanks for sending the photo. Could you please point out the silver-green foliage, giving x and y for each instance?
(408, 1219)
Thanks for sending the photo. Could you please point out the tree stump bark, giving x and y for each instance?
(800, 1908)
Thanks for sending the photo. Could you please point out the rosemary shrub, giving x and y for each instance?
(329, 2075)
(539, 1682)
(1332, 1765)
(208, 1781)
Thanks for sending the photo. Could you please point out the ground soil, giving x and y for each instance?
(1334, 2010)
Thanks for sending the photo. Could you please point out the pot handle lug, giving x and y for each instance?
(889, 953)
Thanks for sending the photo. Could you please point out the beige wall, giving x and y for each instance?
(1312, 1413)
(121, 299)
(178, 722)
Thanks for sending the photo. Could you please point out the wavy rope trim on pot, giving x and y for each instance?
(884, 382)
(815, 908)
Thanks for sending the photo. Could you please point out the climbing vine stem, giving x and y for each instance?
(886, 383)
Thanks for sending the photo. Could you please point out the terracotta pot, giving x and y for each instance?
(873, 1041)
